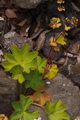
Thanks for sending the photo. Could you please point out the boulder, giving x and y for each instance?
(28, 4)
(8, 92)
(12, 38)
(62, 88)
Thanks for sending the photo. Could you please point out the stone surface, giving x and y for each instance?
(77, 2)
(28, 4)
(8, 92)
(14, 39)
(62, 88)
(46, 47)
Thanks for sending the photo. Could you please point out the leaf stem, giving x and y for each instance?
(38, 105)
(48, 59)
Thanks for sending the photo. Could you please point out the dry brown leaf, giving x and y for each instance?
(74, 48)
(1, 19)
(22, 23)
(41, 98)
(78, 58)
(74, 69)
(5, 118)
(41, 39)
(61, 61)
(10, 13)
(22, 31)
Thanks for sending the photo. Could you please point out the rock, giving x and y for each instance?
(74, 73)
(2, 2)
(28, 4)
(77, 2)
(62, 88)
(8, 92)
(43, 115)
(1, 24)
(77, 118)
(4, 26)
(74, 69)
(13, 38)
(46, 47)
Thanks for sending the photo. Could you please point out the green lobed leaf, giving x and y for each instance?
(25, 102)
(24, 51)
(41, 63)
(29, 66)
(17, 106)
(34, 80)
(16, 115)
(18, 77)
(30, 56)
(16, 53)
(16, 69)
(56, 111)
(21, 109)
(20, 61)
(10, 58)
(61, 40)
(31, 115)
(7, 65)
(59, 116)
(58, 106)
(49, 107)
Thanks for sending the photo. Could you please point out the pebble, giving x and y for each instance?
(9, 34)
(38, 118)
(77, 118)
(48, 82)
(1, 52)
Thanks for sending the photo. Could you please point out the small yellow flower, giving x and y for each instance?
(67, 20)
(60, 1)
(61, 40)
(52, 72)
(57, 48)
(53, 41)
(67, 28)
(58, 40)
(74, 21)
(55, 23)
(61, 8)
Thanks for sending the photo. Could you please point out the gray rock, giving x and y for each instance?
(8, 92)
(28, 4)
(14, 39)
(77, 2)
(62, 88)
(46, 47)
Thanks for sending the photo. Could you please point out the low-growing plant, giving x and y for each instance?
(55, 111)
(21, 111)
(30, 70)
(22, 61)
(27, 67)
